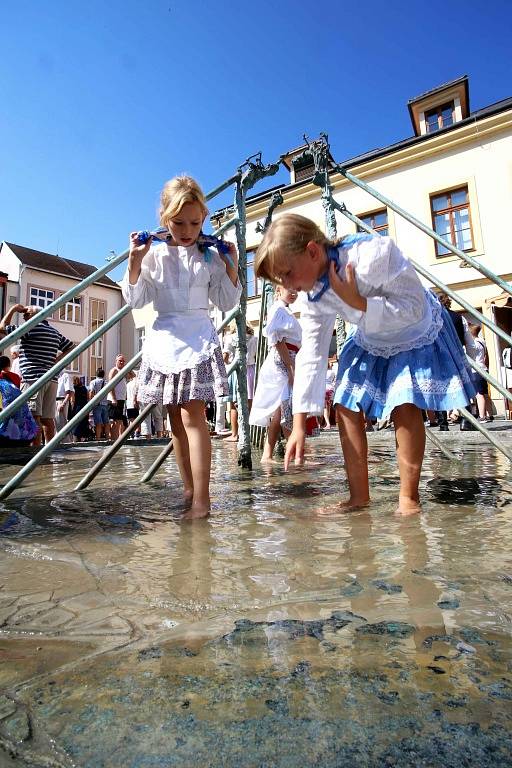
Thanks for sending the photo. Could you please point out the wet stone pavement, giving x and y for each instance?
(271, 634)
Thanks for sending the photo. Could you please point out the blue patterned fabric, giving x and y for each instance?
(433, 377)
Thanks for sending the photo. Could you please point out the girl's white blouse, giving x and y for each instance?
(180, 283)
(398, 316)
(282, 324)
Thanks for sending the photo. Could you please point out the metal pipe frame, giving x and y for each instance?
(62, 363)
(490, 437)
(113, 449)
(146, 477)
(229, 317)
(14, 482)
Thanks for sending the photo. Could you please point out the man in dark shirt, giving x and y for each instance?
(40, 348)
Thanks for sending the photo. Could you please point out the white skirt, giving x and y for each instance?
(272, 390)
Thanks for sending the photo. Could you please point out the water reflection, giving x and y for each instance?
(264, 634)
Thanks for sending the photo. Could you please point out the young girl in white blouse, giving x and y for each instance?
(272, 406)
(405, 355)
(182, 363)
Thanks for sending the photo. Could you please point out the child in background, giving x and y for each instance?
(330, 381)
(272, 406)
(182, 365)
(252, 349)
(403, 357)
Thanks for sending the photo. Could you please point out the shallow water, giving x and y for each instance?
(267, 635)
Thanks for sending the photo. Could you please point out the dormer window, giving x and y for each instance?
(440, 117)
(440, 107)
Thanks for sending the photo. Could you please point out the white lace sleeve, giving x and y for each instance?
(311, 360)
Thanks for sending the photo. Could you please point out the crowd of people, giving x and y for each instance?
(403, 360)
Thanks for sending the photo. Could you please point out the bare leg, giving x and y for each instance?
(354, 445)
(273, 431)
(48, 429)
(38, 438)
(233, 416)
(181, 450)
(410, 449)
(200, 456)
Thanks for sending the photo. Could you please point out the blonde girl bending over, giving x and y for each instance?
(403, 357)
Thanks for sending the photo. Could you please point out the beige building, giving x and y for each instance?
(454, 174)
(32, 277)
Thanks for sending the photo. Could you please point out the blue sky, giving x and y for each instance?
(103, 101)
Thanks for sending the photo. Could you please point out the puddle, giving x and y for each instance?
(265, 635)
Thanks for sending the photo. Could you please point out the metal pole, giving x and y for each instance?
(218, 232)
(229, 317)
(158, 462)
(222, 187)
(62, 363)
(244, 440)
(111, 451)
(441, 447)
(72, 423)
(432, 233)
(490, 437)
(488, 377)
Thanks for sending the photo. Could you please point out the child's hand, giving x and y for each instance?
(347, 289)
(231, 262)
(233, 255)
(295, 448)
(138, 250)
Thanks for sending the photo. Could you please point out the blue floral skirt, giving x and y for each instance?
(433, 377)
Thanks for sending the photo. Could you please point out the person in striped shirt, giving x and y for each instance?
(40, 348)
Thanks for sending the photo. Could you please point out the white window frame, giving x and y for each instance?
(40, 297)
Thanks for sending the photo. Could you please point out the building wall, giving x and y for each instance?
(117, 339)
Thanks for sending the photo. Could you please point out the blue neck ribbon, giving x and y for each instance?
(332, 255)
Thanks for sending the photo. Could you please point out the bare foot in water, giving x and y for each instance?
(231, 439)
(268, 460)
(407, 506)
(196, 513)
(351, 505)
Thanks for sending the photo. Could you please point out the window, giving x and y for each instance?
(378, 220)
(71, 312)
(253, 284)
(451, 219)
(141, 336)
(74, 365)
(98, 311)
(39, 297)
(439, 117)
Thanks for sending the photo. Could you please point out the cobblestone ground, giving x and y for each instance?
(276, 633)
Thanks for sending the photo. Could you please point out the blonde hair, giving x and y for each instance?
(176, 193)
(287, 236)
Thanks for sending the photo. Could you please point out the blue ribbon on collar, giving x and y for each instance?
(162, 235)
(333, 255)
